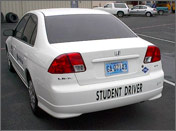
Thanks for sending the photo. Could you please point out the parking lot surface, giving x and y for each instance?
(158, 114)
(159, 30)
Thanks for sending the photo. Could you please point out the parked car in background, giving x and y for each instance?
(143, 10)
(160, 10)
(170, 5)
(119, 9)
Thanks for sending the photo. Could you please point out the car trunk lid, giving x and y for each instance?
(103, 57)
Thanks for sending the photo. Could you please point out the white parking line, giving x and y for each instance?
(169, 82)
(145, 27)
(157, 38)
(171, 28)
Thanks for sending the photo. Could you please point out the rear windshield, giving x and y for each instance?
(84, 27)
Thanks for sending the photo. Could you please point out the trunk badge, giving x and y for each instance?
(145, 70)
(117, 53)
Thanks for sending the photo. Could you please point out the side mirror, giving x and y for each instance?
(8, 32)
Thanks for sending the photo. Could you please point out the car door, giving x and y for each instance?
(16, 40)
(25, 45)
(121, 7)
(142, 10)
(134, 10)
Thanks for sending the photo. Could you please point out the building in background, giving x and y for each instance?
(20, 7)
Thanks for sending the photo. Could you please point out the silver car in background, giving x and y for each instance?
(143, 10)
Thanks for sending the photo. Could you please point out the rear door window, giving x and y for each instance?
(29, 33)
(142, 7)
(136, 7)
(32, 41)
(20, 27)
(108, 6)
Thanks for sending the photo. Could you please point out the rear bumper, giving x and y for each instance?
(126, 13)
(154, 12)
(77, 110)
(82, 99)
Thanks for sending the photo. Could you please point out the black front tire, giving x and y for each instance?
(148, 14)
(160, 12)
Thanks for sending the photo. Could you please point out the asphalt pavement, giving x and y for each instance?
(151, 115)
(159, 30)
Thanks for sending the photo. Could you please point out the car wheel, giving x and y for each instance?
(33, 99)
(10, 66)
(120, 14)
(11, 17)
(160, 12)
(148, 14)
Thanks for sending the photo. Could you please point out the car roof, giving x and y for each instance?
(68, 11)
(119, 3)
(141, 5)
(115, 3)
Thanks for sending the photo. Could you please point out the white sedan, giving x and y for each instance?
(76, 61)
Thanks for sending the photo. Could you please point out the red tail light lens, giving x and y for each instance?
(67, 63)
(152, 54)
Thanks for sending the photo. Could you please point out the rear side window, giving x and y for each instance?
(20, 27)
(142, 7)
(120, 6)
(83, 27)
(33, 36)
(108, 6)
(136, 7)
(30, 30)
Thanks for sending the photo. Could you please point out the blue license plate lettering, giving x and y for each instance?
(116, 68)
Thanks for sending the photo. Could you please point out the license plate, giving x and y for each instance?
(116, 68)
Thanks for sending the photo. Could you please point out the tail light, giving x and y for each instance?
(67, 63)
(152, 54)
(154, 9)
